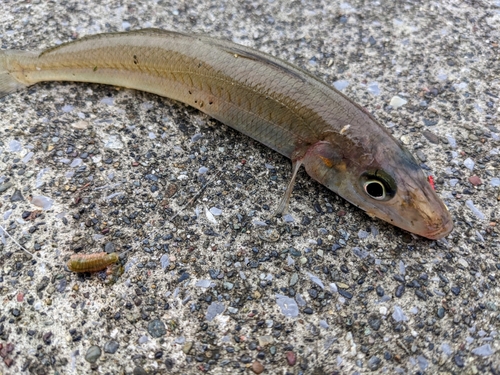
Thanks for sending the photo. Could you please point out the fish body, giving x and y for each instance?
(338, 142)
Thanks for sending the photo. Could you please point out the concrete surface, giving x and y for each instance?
(201, 292)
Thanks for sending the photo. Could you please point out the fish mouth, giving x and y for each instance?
(444, 229)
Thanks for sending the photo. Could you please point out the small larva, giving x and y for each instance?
(91, 262)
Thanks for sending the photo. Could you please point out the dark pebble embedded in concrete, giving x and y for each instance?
(43, 284)
(459, 360)
(183, 277)
(156, 328)
(295, 252)
(308, 311)
(61, 285)
(374, 363)
(111, 347)
(399, 278)
(17, 196)
(313, 293)
(47, 338)
(374, 322)
(380, 291)
(431, 137)
(245, 358)
(213, 273)
(421, 295)
(440, 312)
(345, 293)
(93, 354)
(428, 122)
(169, 363)
(400, 289)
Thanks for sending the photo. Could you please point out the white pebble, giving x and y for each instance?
(210, 216)
(300, 300)
(204, 283)
(475, 210)
(28, 157)
(373, 88)
(362, 234)
(108, 100)
(402, 268)
(469, 163)
(446, 349)
(483, 351)
(397, 101)
(333, 288)
(460, 86)
(399, 315)
(495, 182)
(15, 146)
(113, 141)
(215, 211)
(76, 162)
(316, 280)
(215, 308)
(41, 201)
(7, 214)
(164, 261)
(340, 84)
(288, 306)
(451, 140)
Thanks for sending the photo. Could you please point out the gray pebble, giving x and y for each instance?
(111, 347)
(17, 196)
(374, 363)
(156, 328)
(93, 354)
(5, 187)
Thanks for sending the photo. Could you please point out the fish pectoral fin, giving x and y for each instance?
(324, 151)
(285, 199)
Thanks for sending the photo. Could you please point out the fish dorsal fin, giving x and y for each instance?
(148, 31)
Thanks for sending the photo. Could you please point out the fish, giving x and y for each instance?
(339, 143)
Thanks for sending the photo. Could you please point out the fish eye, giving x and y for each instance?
(379, 185)
(375, 189)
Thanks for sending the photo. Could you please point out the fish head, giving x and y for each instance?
(382, 179)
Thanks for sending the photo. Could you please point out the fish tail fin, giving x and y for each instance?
(8, 82)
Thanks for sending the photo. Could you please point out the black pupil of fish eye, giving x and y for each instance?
(375, 189)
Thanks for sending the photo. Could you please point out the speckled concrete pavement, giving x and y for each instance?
(325, 290)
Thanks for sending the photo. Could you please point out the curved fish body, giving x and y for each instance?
(339, 143)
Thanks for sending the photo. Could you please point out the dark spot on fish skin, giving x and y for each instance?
(135, 60)
(210, 103)
(190, 93)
